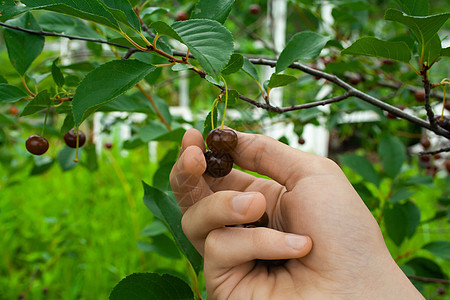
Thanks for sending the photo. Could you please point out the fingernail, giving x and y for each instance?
(241, 202)
(296, 241)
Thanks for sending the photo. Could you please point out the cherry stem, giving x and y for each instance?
(78, 143)
(216, 101)
(45, 121)
(26, 87)
(226, 102)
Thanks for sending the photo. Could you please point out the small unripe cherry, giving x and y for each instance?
(13, 110)
(254, 9)
(182, 16)
(419, 95)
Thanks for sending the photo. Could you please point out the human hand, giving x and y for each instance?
(308, 198)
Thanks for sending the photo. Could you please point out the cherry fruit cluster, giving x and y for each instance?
(38, 145)
(221, 143)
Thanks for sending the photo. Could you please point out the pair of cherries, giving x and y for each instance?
(38, 145)
(219, 162)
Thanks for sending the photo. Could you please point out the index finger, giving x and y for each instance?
(267, 156)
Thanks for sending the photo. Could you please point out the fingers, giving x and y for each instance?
(272, 158)
(217, 211)
(233, 246)
(186, 178)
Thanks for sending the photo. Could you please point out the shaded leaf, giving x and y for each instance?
(106, 83)
(401, 194)
(123, 12)
(303, 45)
(362, 166)
(166, 209)
(23, 48)
(439, 248)
(250, 69)
(162, 245)
(392, 153)
(41, 165)
(41, 101)
(8, 10)
(423, 28)
(414, 7)
(154, 229)
(425, 267)
(234, 65)
(401, 221)
(55, 22)
(10, 93)
(164, 29)
(91, 10)
(445, 52)
(278, 80)
(58, 76)
(145, 286)
(371, 46)
(66, 158)
(432, 50)
(213, 10)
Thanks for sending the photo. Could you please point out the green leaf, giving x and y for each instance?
(234, 65)
(162, 245)
(213, 10)
(371, 46)
(167, 210)
(154, 229)
(8, 10)
(55, 22)
(208, 125)
(41, 101)
(401, 221)
(303, 45)
(164, 29)
(106, 83)
(414, 7)
(250, 69)
(209, 42)
(278, 80)
(439, 248)
(10, 93)
(66, 157)
(401, 194)
(58, 76)
(91, 10)
(425, 267)
(423, 28)
(145, 286)
(432, 50)
(445, 52)
(41, 165)
(123, 12)
(361, 166)
(392, 153)
(2, 79)
(128, 103)
(23, 48)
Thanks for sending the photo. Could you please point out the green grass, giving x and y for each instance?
(73, 233)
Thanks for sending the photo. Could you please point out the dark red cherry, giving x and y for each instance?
(222, 140)
(419, 95)
(36, 144)
(254, 9)
(71, 138)
(218, 164)
(444, 122)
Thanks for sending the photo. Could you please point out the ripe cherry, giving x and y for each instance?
(218, 164)
(71, 138)
(425, 158)
(425, 142)
(387, 62)
(301, 141)
(182, 16)
(254, 9)
(222, 140)
(108, 145)
(36, 144)
(419, 95)
(444, 122)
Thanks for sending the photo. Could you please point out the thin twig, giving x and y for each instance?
(428, 279)
(152, 102)
(252, 34)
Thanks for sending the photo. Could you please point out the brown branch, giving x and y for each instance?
(435, 151)
(55, 34)
(428, 279)
(427, 87)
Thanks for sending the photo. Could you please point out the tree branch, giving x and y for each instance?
(427, 279)
(435, 151)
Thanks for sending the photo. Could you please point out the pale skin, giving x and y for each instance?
(317, 221)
